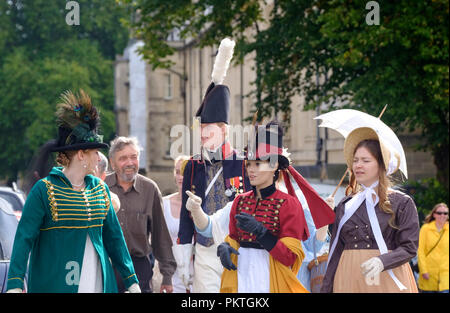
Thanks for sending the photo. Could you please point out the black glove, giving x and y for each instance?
(248, 223)
(224, 251)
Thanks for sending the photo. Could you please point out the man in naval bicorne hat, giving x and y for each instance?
(211, 180)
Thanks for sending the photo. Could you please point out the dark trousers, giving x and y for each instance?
(143, 266)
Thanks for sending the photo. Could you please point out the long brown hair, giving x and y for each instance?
(429, 218)
(384, 183)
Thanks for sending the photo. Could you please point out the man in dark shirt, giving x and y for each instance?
(140, 215)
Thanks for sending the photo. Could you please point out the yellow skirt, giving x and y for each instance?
(349, 279)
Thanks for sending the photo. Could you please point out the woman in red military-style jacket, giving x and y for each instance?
(262, 252)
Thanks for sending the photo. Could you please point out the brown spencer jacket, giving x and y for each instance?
(356, 233)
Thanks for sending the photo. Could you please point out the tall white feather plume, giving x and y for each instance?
(222, 61)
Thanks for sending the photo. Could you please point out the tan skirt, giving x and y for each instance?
(349, 279)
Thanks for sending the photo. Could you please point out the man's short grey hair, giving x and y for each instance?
(102, 164)
(121, 142)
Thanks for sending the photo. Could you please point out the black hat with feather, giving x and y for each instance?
(216, 102)
(78, 121)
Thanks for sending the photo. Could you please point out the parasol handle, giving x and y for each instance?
(382, 111)
(345, 174)
(340, 183)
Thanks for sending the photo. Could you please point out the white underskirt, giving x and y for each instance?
(91, 278)
(253, 270)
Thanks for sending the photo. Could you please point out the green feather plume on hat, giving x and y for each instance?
(77, 113)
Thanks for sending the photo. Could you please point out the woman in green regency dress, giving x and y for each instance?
(68, 227)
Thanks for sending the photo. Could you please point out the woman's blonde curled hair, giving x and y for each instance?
(384, 182)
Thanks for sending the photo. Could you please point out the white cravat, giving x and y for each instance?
(351, 207)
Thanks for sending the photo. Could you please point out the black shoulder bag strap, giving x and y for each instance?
(440, 237)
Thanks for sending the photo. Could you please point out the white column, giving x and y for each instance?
(138, 101)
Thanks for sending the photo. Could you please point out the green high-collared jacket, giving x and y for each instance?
(55, 222)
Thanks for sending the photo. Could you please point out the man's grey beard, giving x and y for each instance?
(127, 177)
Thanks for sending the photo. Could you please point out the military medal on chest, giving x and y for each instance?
(234, 186)
(229, 192)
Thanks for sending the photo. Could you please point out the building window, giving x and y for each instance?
(168, 87)
(174, 35)
(169, 143)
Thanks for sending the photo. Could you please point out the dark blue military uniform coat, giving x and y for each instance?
(235, 181)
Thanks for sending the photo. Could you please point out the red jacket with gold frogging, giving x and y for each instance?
(281, 213)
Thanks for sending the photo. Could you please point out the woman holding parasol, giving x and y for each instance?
(376, 227)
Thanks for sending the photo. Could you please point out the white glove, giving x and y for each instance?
(194, 205)
(183, 255)
(372, 267)
(134, 288)
(321, 233)
(330, 202)
(15, 290)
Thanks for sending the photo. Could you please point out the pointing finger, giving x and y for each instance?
(193, 197)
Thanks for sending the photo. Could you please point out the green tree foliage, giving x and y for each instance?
(203, 20)
(427, 193)
(402, 62)
(40, 57)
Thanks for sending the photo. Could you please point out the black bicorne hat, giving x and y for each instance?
(215, 106)
(78, 122)
(216, 102)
